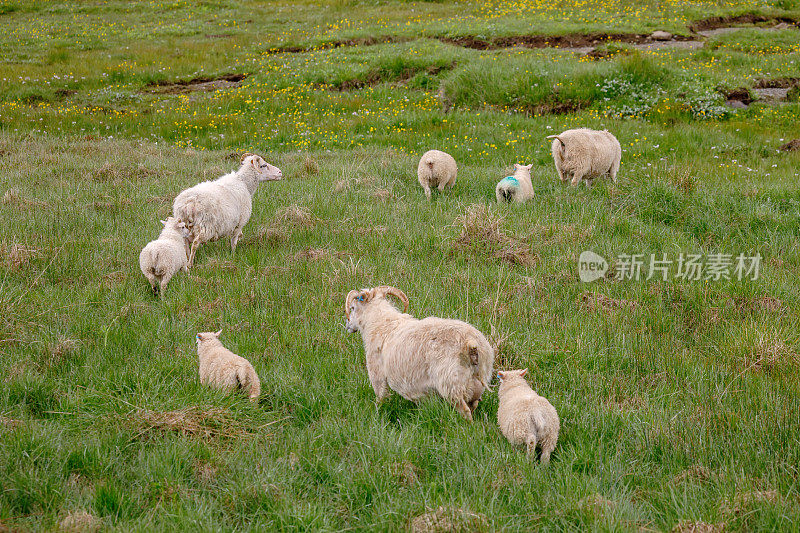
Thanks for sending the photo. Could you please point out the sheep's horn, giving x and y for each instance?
(347, 301)
(556, 137)
(394, 291)
(245, 156)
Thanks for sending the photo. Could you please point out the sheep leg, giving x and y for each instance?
(548, 445)
(463, 408)
(613, 171)
(163, 286)
(377, 380)
(576, 178)
(530, 444)
(195, 244)
(442, 185)
(427, 191)
(237, 234)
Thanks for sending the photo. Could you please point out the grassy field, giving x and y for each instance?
(678, 398)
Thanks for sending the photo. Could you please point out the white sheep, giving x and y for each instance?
(215, 209)
(516, 188)
(585, 154)
(525, 417)
(221, 368)
(162, 258)
(416, 357)
(436, 169)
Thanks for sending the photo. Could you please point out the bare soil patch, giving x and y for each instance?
(572, 41)
(791, 146)
(361, 41)
(205, 84)
(376, 77)
(713, 23)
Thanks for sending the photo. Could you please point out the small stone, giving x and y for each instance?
(660, 35)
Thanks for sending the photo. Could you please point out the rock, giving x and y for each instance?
(737, 104)
(791, 146)
(660, 35)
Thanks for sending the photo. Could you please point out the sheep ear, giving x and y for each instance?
(528, 166)
(163, 222)
(501, 375)
(218, 333)
(523, 372)
(254, 162)
(516, 166)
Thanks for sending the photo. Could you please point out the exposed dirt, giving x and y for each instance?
(206, 84)
(741, 95)
(575, 40)
(361, 41)
(713, 23)
(376, 77)
(776, 83)
(791, 146)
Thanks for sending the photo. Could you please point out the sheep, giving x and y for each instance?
(516, 188)
(585, 154)
(416, 357)
(215, 209)
(162, 258)
(525, 417)
(436, 169)
(223, 369)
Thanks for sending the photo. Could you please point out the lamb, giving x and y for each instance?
(223, 369)
(436, 169)
(516, 188)
(525, 417)
(585, 154)
(162, 258)
(215, 209)
(416, 357)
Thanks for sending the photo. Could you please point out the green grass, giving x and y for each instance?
(679, 403)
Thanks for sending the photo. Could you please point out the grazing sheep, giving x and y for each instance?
(436, 169)
(162, 258)
(416, 357)
(223, 369)
(516, 188)
(585, 154)
(220, 208)
(525, 417)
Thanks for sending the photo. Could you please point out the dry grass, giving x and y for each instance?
(598, 302)
(16, 255)
(697, 474)
(196, 421)
(481, 233)
(80, 522)
(294, 215)
(9, 424)
(743, 502)
(770, 353)
(310, 166)
(405, 472)
(318, 254)
(449, 520)
(60, 351)
(690, 526)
